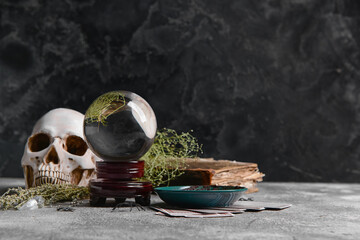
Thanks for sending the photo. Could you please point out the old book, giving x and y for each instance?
(207, 171)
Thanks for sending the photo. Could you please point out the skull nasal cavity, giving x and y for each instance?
(52, 156)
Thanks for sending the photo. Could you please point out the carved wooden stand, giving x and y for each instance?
(115, 180)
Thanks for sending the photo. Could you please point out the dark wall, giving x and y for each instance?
(272, 82)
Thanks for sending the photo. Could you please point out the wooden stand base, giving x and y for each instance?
(116, 182)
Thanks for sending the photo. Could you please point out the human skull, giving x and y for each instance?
(56, 151)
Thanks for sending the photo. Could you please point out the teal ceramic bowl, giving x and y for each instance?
(200, 196)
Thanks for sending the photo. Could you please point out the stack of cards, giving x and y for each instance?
(259, 206)
(239, 207)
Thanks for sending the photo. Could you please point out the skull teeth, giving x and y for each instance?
(44, 180)
(49, 176)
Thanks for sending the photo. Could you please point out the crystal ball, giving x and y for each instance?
(120, 126)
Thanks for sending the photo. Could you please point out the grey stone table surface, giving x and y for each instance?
(319, 211)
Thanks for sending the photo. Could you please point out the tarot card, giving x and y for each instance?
(190, 214)
(254, 205)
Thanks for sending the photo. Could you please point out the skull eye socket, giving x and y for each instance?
(75, 145)
(39, 142)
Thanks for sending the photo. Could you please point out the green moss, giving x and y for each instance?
(52, 193)
(165, 158)
(104, 106)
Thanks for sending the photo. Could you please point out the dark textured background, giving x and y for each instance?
(273, 82)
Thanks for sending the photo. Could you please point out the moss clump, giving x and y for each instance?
(52, 193)
(104, 106)
(165, 157)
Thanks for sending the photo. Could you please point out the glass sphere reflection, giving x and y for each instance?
(120, 126)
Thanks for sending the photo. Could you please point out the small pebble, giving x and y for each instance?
(65, 209)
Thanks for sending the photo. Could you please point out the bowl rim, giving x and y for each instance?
(182, 189)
